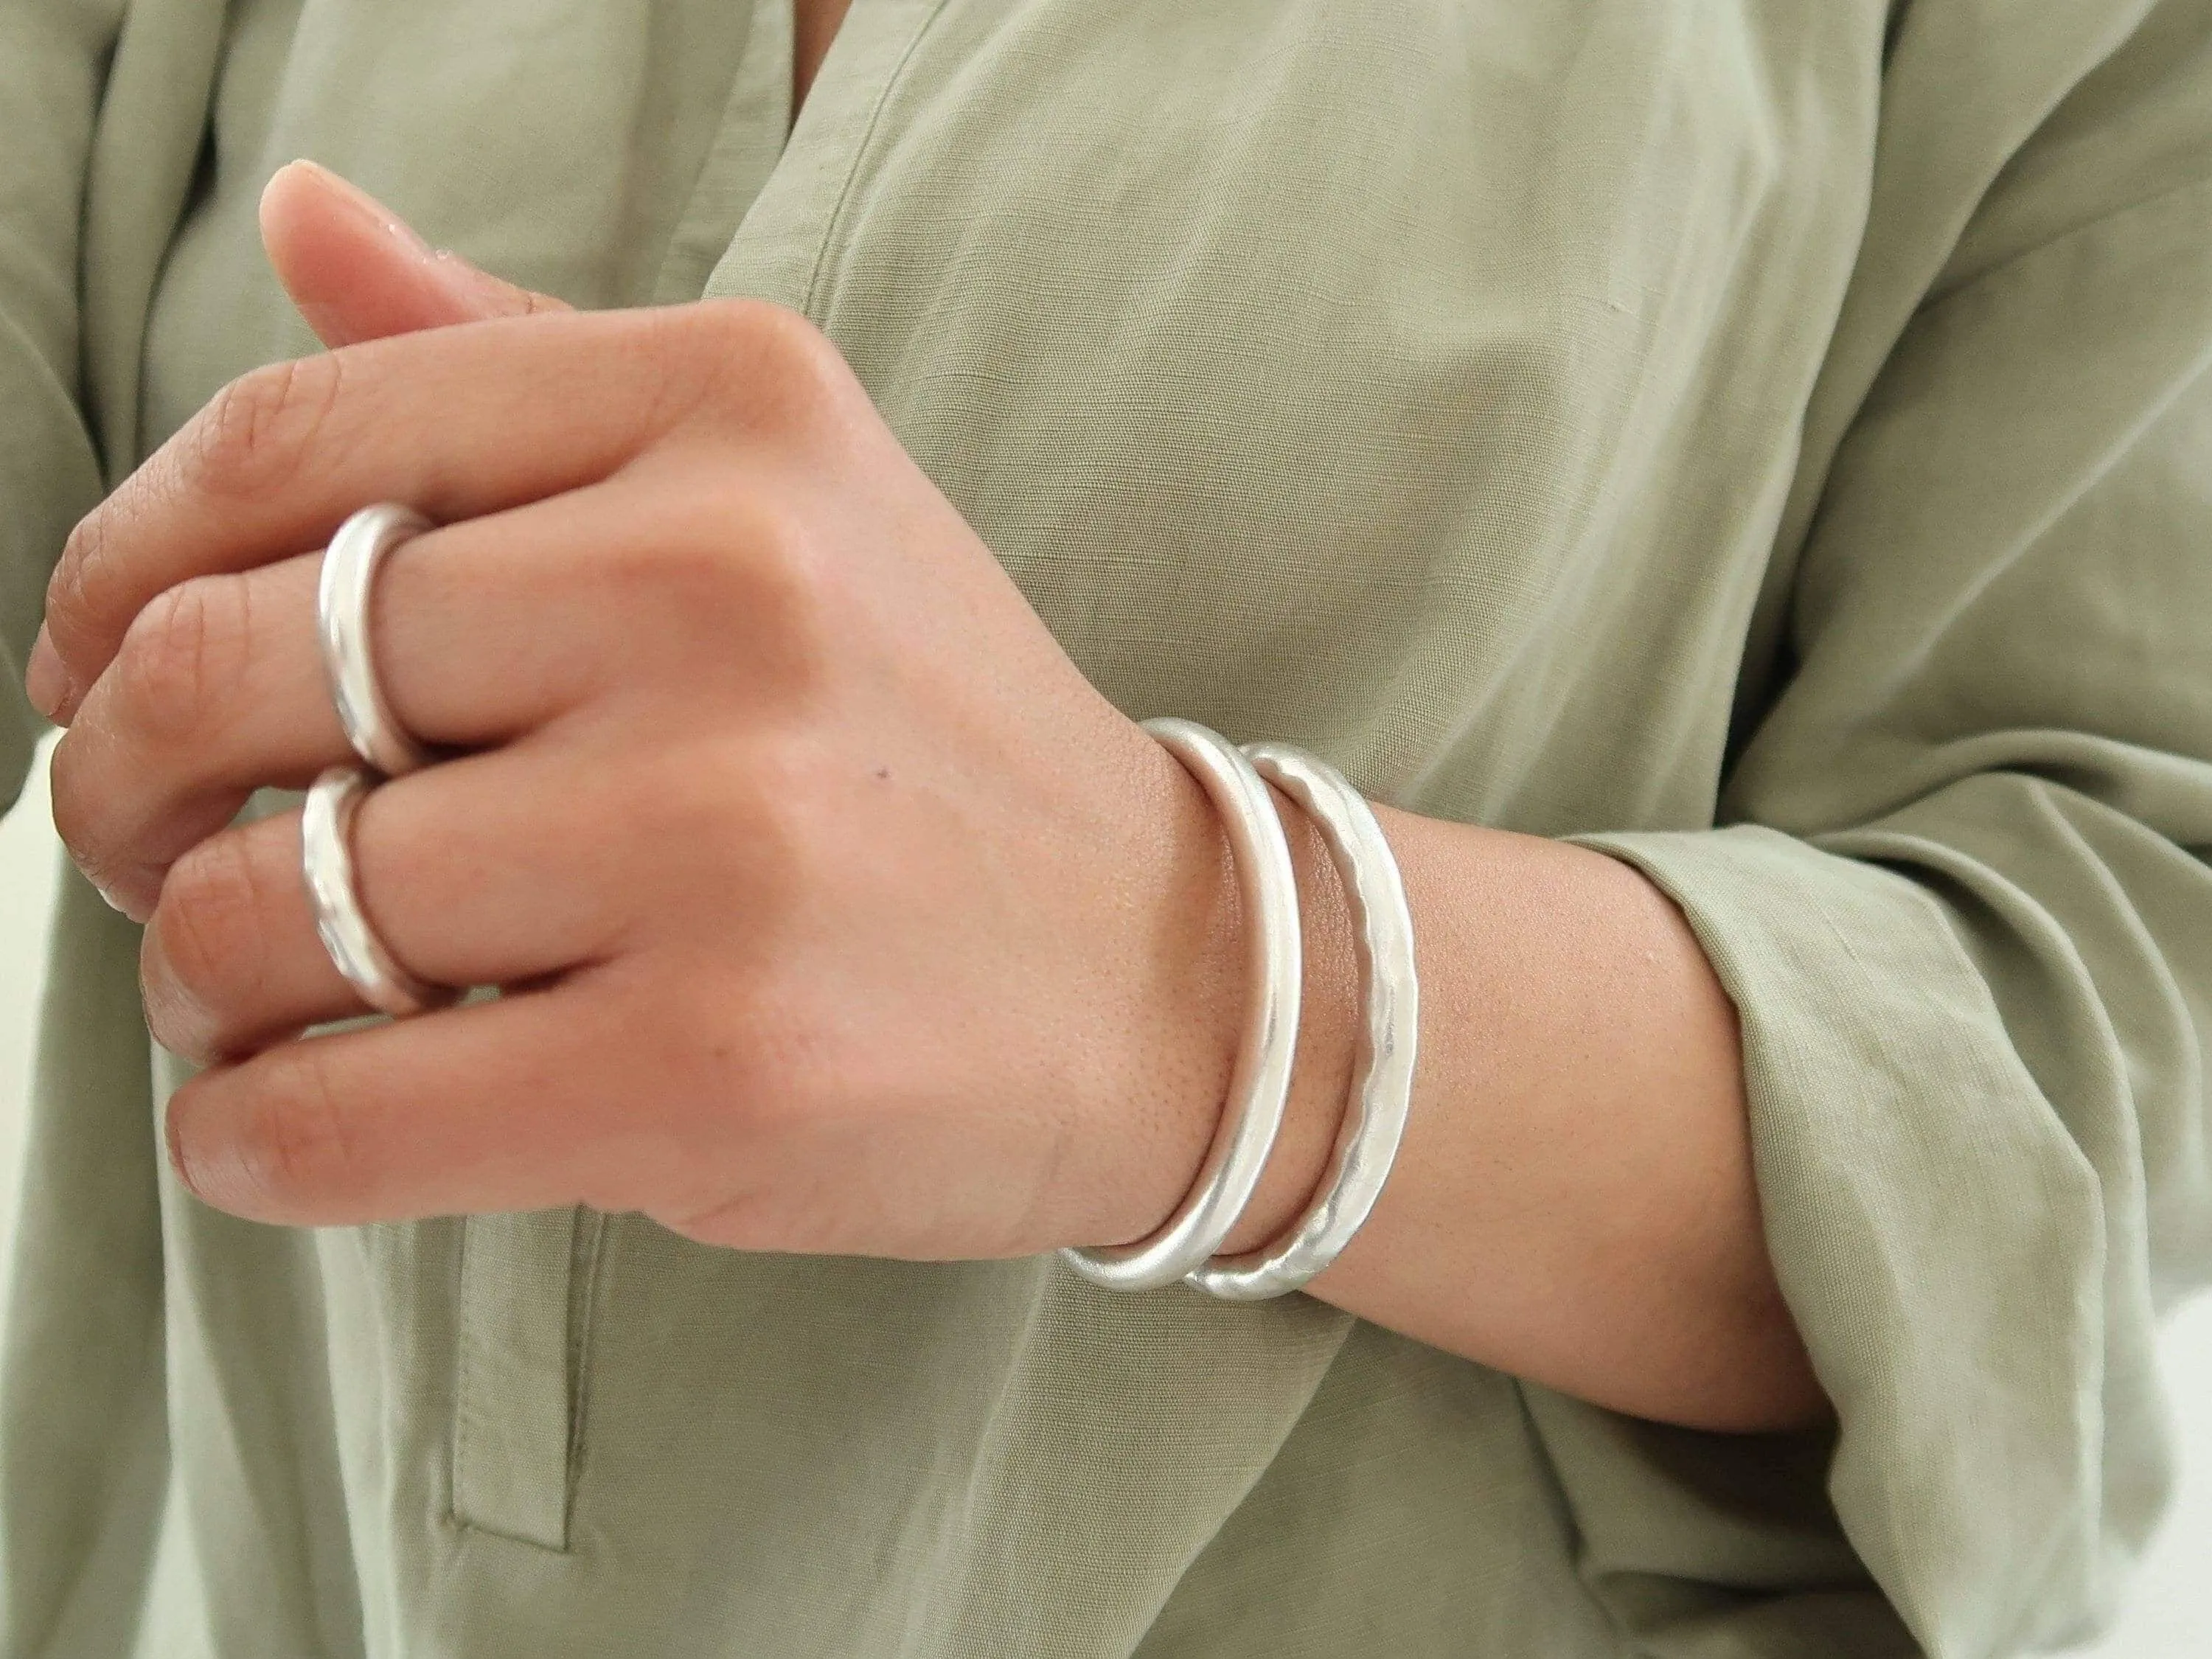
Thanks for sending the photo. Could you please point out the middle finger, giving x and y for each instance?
(479, 633)
(458, 422)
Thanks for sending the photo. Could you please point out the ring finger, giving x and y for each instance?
(480, 633)
(496, 869)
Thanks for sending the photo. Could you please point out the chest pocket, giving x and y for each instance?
(523, 1349)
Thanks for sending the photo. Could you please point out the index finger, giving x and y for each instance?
(454, 422)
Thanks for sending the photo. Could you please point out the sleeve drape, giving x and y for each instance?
(83, 1447)
(52, 61)
(1961, 893)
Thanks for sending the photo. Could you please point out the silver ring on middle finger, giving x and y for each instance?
(342, 626)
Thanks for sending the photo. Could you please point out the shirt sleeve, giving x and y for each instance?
(82, 1452)
(52, 57)
(1960, 895)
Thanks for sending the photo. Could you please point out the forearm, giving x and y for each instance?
(1573, 1201)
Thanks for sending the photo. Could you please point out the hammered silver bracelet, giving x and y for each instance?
(1373, 1121)
(1383, 1071)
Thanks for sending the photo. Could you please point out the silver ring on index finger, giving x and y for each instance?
(342, 626)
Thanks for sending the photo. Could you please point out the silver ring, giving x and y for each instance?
(341, 625)
(1262, 1080)
(1383, 1076)
(326, 860)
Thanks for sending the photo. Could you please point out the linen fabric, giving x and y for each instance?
(1767, 442)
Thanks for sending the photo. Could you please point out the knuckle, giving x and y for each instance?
(686, 807)
(786, 339)
(204, 953)
(178, 655)
(256, 433)
(766, 361)
(86, 822)
(695, 577)
(786, 573)
(747, 818)
(801, 371)
(72, 593)
(718, 1061)
(75, 814)
(750, 569)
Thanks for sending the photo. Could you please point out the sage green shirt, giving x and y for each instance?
(1770, 439)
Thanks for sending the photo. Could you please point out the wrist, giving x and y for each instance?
(1329, 1022)
(1185, 1023)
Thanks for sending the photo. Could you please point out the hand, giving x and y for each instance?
(834, 909)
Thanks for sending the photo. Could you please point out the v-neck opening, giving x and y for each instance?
(748, 140)
(777, 250)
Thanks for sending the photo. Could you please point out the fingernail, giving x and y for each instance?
(362, 203)
(46, 682)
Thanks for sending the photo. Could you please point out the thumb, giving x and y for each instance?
(357, 272)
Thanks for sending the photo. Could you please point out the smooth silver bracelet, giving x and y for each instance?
(1382, 1073)
(1261, 1078)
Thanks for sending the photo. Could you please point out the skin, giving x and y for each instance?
(836, 911)
(814, 24)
